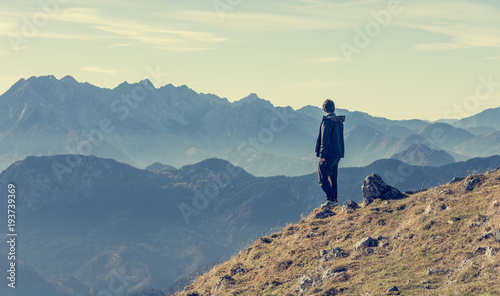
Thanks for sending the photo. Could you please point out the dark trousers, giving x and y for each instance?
(327, 173)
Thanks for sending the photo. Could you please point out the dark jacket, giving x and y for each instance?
(330, 143)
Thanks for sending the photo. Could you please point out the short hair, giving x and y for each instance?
(329, 106)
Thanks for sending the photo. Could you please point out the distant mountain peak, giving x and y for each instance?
(68, 79)
(160, 167)
(215, 164)
(419, 154)
(17, 85)
(42, 77)
(146, 82)
(251, 97)
(124, 84)
(254, 99)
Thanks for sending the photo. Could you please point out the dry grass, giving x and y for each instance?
(439, 229)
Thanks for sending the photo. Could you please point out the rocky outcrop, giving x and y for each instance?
(324, 213)
(471, 183)
(350, 206)
(227, 279)
(332, 254)
(456, 180)
(375, 188)
(366, 242)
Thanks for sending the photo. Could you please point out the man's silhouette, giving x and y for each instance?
(330, 149)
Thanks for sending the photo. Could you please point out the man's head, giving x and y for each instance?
(329, 106)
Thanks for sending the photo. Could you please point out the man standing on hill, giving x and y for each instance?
(330, 149)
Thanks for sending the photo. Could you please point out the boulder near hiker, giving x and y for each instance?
(330, 149)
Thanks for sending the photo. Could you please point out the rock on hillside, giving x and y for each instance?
(442, 241)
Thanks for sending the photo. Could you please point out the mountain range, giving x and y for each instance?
(140, 124)
(99, 222)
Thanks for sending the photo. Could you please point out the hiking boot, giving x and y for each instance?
(329, 204)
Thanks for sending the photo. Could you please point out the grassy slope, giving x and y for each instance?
(435, 229)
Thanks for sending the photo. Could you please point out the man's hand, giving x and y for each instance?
(321, 159)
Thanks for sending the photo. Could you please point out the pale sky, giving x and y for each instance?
(397, 59)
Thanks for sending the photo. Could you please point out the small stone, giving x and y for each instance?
(369, 251)
(479, 222)
(365, 242)
(393, 289)
(456, 180)
(470, 184)
(266, 240)
(432, 271)
(332, 254)
(487, 235)
(490, 252)
(445, 192)
(428, 209)
(366, 202)
(304, 283)
(497, 235)
(333, 273)
(225, 279)
(480, 251)
(324, 213)
(350, 205)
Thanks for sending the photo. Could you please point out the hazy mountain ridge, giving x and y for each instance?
(421, 155)
(487, 118)
(106, 213)
(140, 124)
(107, 217)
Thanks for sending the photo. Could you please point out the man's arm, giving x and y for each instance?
(326, 139)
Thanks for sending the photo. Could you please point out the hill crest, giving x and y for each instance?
(443, 241)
